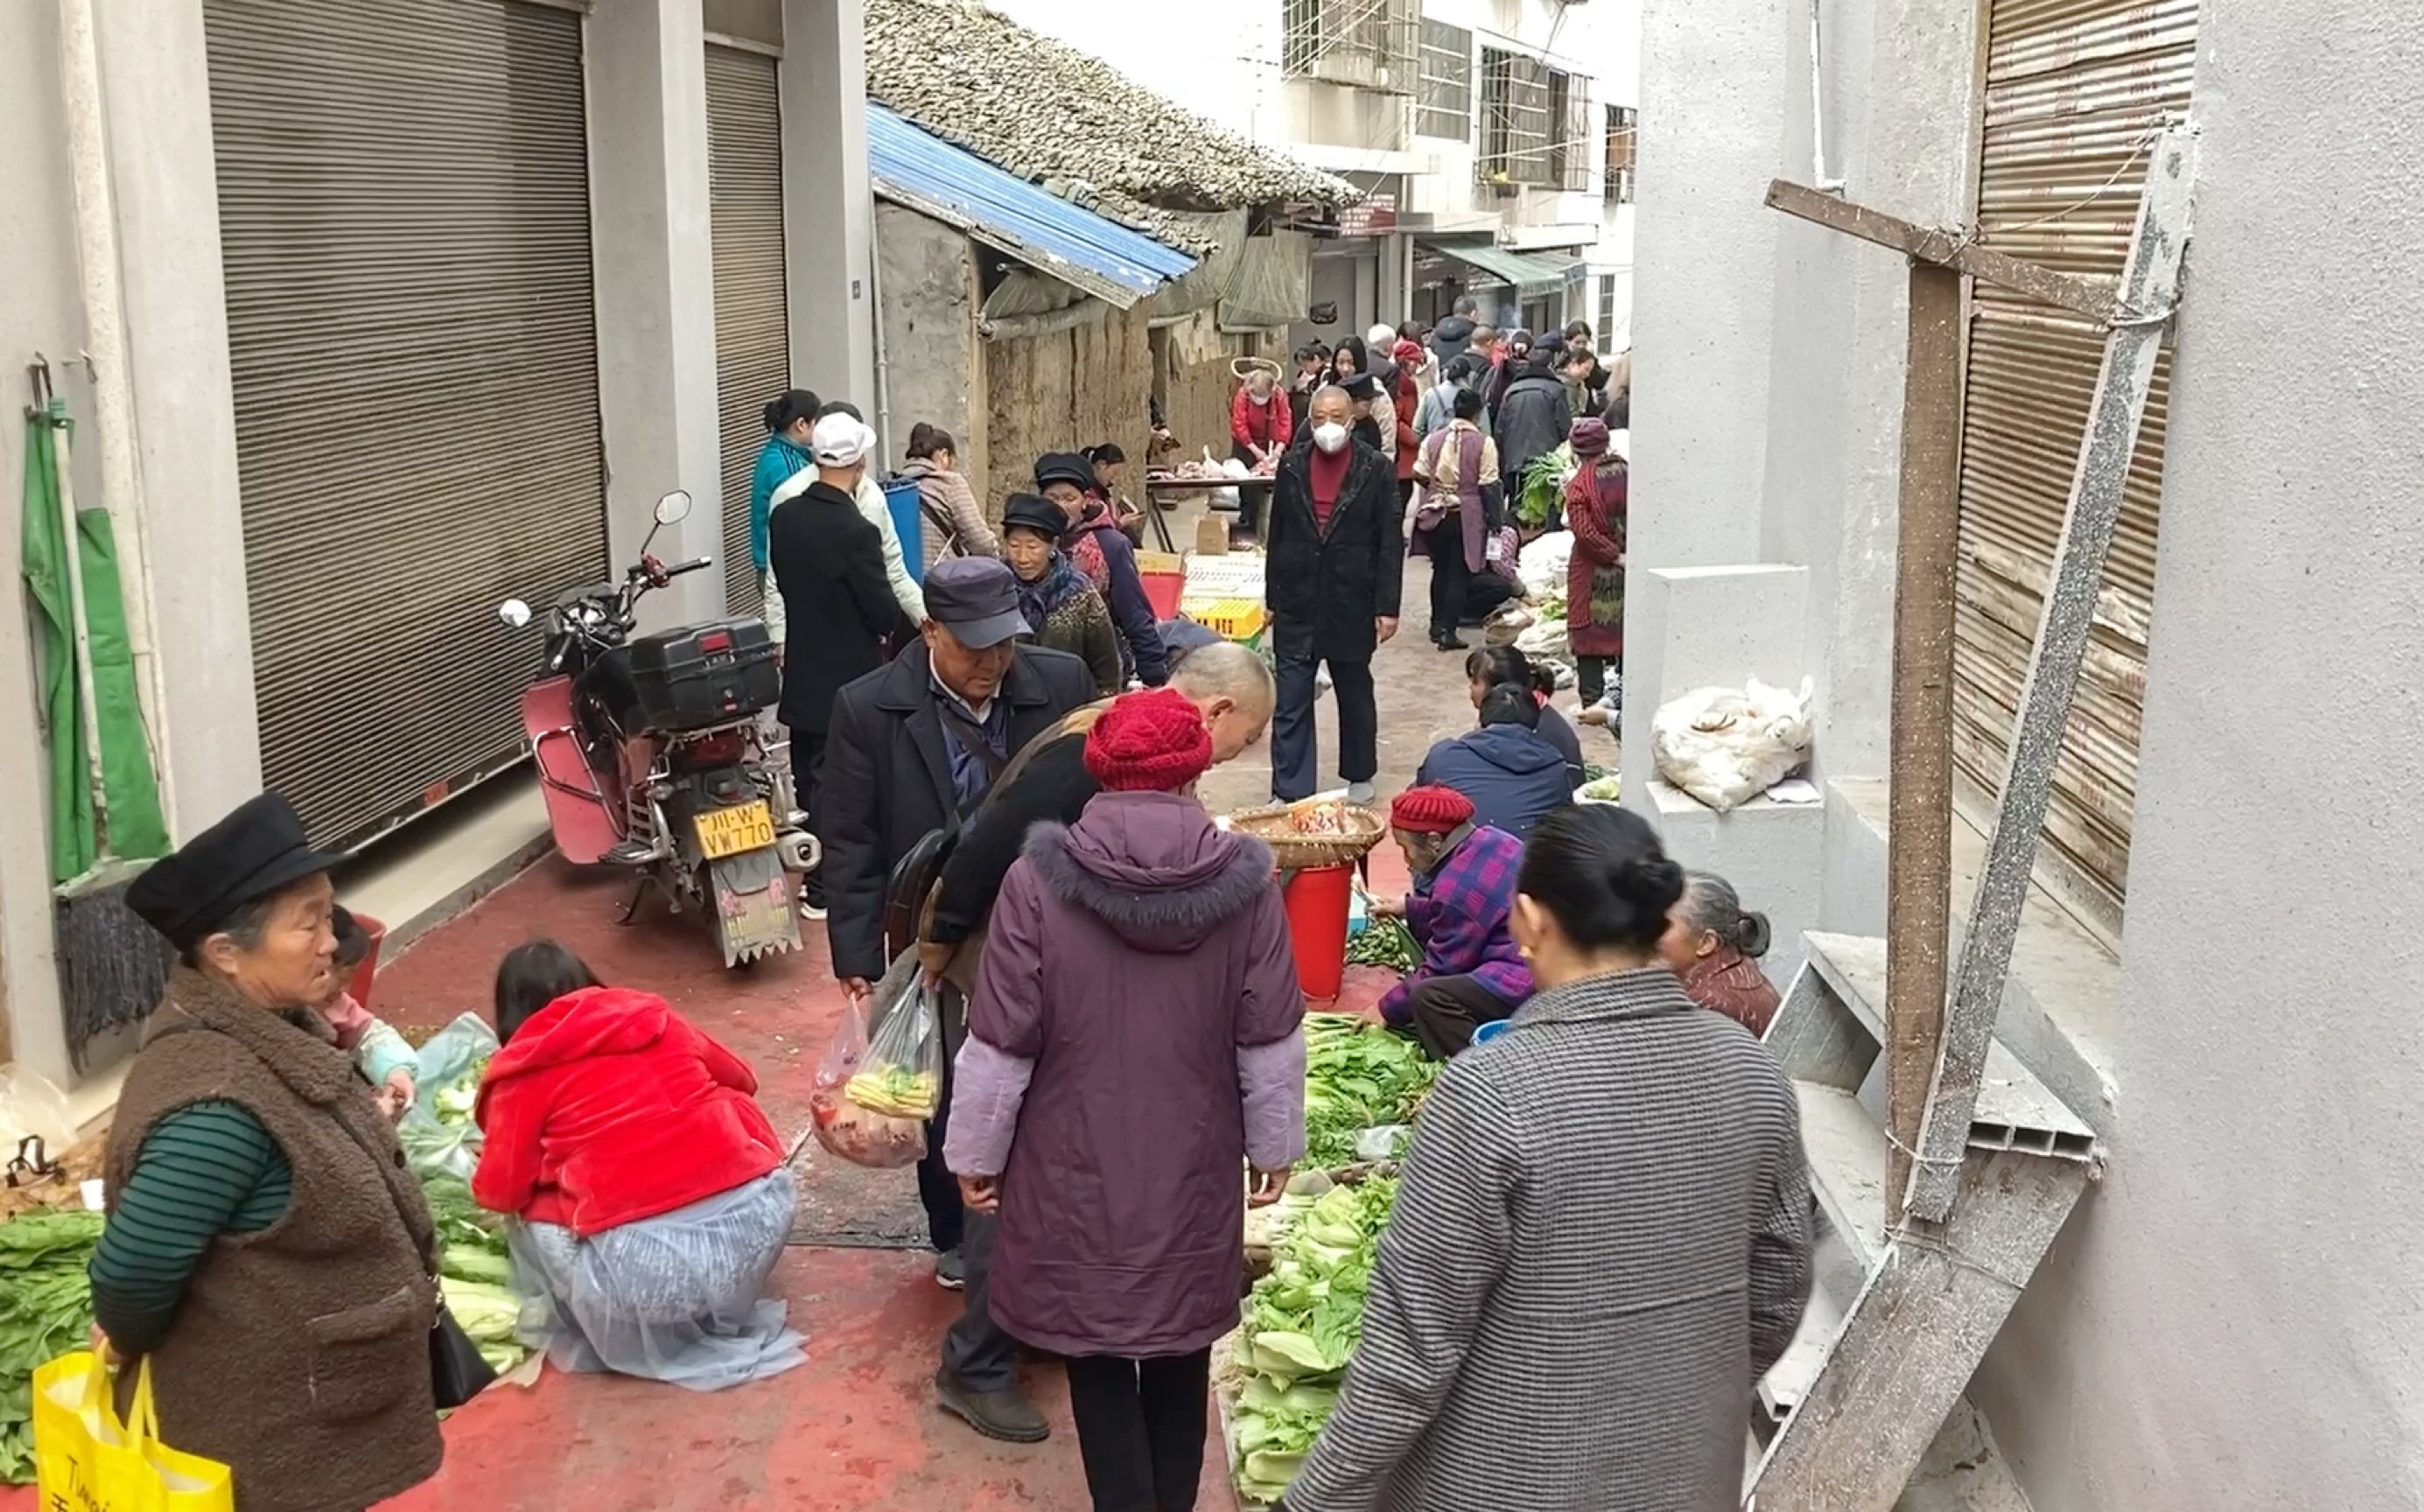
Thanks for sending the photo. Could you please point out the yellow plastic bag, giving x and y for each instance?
(85, 1460)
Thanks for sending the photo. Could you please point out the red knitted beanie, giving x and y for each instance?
(1151, 741)
(1432, 810)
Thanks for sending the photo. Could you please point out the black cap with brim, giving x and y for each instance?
(1064, 466)
(1033, 511)
(257, 851)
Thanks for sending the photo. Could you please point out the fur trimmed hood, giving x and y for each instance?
(1153, 867)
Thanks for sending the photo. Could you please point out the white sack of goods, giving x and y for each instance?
(1725, 746)
(1542, 565)
(1505, 623)
(1544, 640)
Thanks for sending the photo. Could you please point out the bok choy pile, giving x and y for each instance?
(45, 1311)
(1357, 1076)
(1301, 1326)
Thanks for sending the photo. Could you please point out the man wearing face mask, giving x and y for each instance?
(1333, 573)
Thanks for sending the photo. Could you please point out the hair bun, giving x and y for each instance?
(1650, 882)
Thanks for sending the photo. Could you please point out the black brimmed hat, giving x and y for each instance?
(1064, 466)
(1033, 511)
(253, 852)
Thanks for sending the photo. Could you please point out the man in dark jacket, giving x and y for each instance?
(828, 562)
(1532, 421)
(1333, 575)
(1509, 772)
(913, 748)
(1229, 686)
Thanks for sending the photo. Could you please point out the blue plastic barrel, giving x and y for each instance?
(909, 523)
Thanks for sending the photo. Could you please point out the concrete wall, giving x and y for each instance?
(41, 310)
(2237, 1324)
(926, 279)
(654, 251)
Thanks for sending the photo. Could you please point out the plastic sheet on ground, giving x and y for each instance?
(1542, 565)
(676, 1298)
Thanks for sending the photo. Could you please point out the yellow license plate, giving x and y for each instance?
(729, 831)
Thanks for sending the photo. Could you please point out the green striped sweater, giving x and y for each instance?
(206, 1169)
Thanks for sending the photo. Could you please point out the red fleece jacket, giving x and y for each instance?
(608, 1108)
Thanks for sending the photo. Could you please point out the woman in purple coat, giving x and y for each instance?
(1135, 1042)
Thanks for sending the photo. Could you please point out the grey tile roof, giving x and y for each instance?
(1065, 119)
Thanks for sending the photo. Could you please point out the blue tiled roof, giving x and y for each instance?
(1040, 228)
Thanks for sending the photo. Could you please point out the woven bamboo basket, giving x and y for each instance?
(1275, 826)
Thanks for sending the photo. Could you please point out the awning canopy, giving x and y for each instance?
(1532, 277)
(929, 175)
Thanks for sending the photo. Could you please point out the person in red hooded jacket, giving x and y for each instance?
(649, 1190)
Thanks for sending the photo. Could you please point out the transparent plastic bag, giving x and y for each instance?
(437, 1134)
(874, 1093)
(678, 1297)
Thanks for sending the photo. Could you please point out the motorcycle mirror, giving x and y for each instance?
(513, 614)
(674, 507)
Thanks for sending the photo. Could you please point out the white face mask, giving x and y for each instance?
(1329, 436)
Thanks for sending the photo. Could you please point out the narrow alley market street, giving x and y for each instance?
(855, 1429)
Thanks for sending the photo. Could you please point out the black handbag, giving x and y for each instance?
(457, 1371)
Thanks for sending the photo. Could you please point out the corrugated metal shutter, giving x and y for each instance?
(403, 205)
(2075, 89)
(753, 343)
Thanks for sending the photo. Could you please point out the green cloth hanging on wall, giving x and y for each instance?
(135, 830)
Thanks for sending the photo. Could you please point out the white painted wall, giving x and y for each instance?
(2241, 1321)
(2234, 1319)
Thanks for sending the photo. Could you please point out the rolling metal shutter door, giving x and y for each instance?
(404, 209)
(2073, 90)
(753, 343)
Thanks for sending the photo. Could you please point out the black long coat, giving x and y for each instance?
(1325, 588)
(838, 605)
(887, 781)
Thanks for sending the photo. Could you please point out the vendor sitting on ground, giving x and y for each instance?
(1464, 888)
(650, 1190)
(1512, 775)
(1060, 606)
(380, 1054)
(1712, 943)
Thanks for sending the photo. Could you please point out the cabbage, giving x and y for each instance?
(1302, 1324)
(1357, 1076)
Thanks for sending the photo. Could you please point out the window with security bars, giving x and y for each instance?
(1444, 96)
(1621, 121)
(1529, 111)
(1605, 329)
(1366, 44)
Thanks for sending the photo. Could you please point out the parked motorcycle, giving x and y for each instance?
(650, 758)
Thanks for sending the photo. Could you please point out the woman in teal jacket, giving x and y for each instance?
(789, 420)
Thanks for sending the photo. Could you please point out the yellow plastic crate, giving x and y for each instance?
(1232, 619)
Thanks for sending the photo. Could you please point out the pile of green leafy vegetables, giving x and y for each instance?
(1543, 483)
(1302, 1324)
(474, 1271)
(45, 1311)
(1357, 1076)
(1385, 942)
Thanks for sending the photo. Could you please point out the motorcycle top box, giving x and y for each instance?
(702, 675)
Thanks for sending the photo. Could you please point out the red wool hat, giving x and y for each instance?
(1151, 741)
(1432, 810)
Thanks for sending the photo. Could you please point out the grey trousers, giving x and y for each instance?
(975, 1350)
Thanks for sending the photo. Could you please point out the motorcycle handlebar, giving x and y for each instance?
(694, 565)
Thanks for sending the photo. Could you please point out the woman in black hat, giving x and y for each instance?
(1061, 607)
(269, 1255)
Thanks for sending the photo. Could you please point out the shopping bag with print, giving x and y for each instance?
(87, 1460)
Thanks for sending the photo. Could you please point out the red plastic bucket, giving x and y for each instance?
(1316, 911)
(1163, 590)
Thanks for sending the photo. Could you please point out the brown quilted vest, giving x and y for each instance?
(299, 1357)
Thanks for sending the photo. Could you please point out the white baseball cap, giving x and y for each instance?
(840, 441)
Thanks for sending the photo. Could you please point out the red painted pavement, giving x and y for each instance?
(854, 1429)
